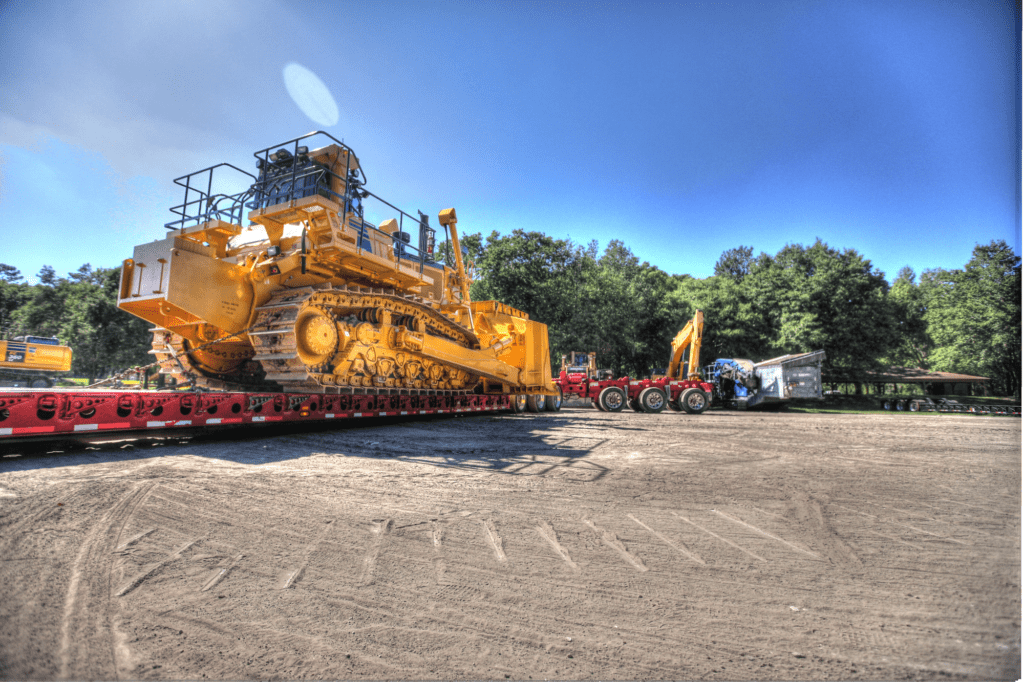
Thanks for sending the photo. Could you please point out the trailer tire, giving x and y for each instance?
(652, 400)
(694, 400)
(518, 403)
(887, 405)
(39, 382)
(901, 405)
(555, 401)
(612, 399)
(537, 403)
(915, 406)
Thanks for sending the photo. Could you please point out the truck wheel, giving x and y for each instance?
(901, 405)
(612, 399)
(39, 382)
(518, 403)
(537, 403)
(694, 400)
(555, 401)
(652, 400)
(915, 406)
(887, 405)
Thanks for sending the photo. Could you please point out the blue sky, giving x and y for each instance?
(682, 129)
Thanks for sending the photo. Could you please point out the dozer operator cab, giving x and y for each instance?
(291, 175)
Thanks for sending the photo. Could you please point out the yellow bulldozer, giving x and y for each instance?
(298, 278)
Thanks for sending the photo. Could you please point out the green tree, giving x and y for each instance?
(13, 294)
(635, 320)
(820, 298)
(912, 343)
(81, 310)
(974, 317)
(43, 308)
(736, 324)
(735, 263)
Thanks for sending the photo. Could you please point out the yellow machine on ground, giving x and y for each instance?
(32, 361)
(289, 283)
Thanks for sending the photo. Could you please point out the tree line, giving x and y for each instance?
(81, 311)
(801, 299)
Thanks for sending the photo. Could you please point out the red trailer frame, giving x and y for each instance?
(44, 414)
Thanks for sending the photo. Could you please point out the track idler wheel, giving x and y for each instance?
(316, 336)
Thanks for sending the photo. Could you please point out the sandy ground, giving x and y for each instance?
(571, 545)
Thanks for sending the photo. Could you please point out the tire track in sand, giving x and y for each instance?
(153, 568)
(495, 540)
(221, 573)
(87, 643)
(719, 537)
(765, 533)
(290, 577)
(678, 546)
(382, 527)
(436, 536)
(611, 540)
(548, 533)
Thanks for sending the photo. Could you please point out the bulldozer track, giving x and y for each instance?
(275, 364)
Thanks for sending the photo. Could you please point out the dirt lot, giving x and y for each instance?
(571, 545)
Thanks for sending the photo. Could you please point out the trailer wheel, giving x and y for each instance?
(915, 406)
(887, 405)
(537, 403)
(901, 406)
(652, 400)
(612, 399)
(694, 400)
(39, 382)
(518, 403)
(555, 401)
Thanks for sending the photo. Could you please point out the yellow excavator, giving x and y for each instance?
(303, 280)
(32, 361)
(687, 344)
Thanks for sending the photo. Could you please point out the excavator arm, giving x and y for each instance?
(688, 337)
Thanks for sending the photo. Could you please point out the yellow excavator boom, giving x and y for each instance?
(688, 338)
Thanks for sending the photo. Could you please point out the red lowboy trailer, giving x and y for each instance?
(50, 414)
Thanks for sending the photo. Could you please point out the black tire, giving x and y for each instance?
(675, 405)
(901, 405)
(537, 403)
(887, 405)
(597, 403)
(694, 401)
(634, 404)
(39, 382)
(652, 400)
(518, 403)
(612, 399)
(555, 401)
(915, 406)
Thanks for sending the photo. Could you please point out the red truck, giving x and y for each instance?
(681, 389)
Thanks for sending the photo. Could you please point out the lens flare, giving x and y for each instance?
(310, 94)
